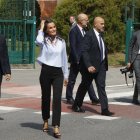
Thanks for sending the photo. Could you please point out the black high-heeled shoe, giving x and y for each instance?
(56, 132)
(45, 126)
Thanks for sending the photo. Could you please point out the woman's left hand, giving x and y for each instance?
(65, 82)
(7, 77)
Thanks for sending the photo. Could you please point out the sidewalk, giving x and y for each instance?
(31, 76)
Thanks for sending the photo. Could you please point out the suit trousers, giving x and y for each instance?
(74, 70)
(87, 79)
(136, 66)
(0, 83)
(51, 77)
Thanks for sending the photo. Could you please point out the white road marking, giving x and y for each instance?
(120, 103)
(62, 113)
(99, 117)
(23, 69)
(9, 108)
(118, 85)
(5, 109)
(120, 94)
(114, 95)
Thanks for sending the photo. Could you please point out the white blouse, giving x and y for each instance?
(52, 53)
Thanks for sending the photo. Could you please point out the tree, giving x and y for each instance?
(11, 9)
(110, 10)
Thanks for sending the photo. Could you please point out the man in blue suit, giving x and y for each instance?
(76, 36)
(4, 61)
(93, 65)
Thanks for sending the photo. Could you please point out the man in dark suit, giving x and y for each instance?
(76, 36)
(72, 21)
(93, 65)
(4, 61)
(134, 60)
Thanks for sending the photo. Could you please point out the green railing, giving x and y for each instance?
(19, 27)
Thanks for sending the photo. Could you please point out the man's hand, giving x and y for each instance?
(91, 69)
(7, 77)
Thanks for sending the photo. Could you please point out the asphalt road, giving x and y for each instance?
(21, 114)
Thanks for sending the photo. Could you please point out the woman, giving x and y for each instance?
(4, 61)
(53, 59)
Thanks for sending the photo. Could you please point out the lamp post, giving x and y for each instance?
(129, 28)
(24, 27)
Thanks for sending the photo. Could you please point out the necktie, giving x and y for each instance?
(83, 32)
(101, 46)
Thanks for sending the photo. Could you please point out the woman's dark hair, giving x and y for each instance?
(47, 21)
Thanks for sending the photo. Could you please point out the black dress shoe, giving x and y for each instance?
(70, 101)
(95, 102)
(106, 112)
(78, 109)
(136, 102)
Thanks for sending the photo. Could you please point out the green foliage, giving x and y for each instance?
(110, 10)
(11, 9)
(116, 59)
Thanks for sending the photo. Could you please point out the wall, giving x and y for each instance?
(47, 7)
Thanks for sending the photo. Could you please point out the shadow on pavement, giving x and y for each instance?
(1, 118)
(125, 100)
(32, 125)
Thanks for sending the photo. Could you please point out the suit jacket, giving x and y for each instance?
(75, 40)
(91, 51)
(4, 59)
(73, 25)
(134, 46)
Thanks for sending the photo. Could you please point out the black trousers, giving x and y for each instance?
(74, 70)
(51, 77)
(0, 83)
(87, 79)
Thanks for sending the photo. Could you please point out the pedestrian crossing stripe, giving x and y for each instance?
(62, 113)
(5, 109)
(9, 108)
(89, 117)
(120, 103)
(99, 117)
(114, 95)
(120, 94)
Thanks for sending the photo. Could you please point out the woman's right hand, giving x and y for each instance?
(128, 65)
(65, 82)
(7, 77)
(42, 25)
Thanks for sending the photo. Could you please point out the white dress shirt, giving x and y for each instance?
(52, 53)
(97, 35)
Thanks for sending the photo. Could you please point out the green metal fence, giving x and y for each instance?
(18, 24)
